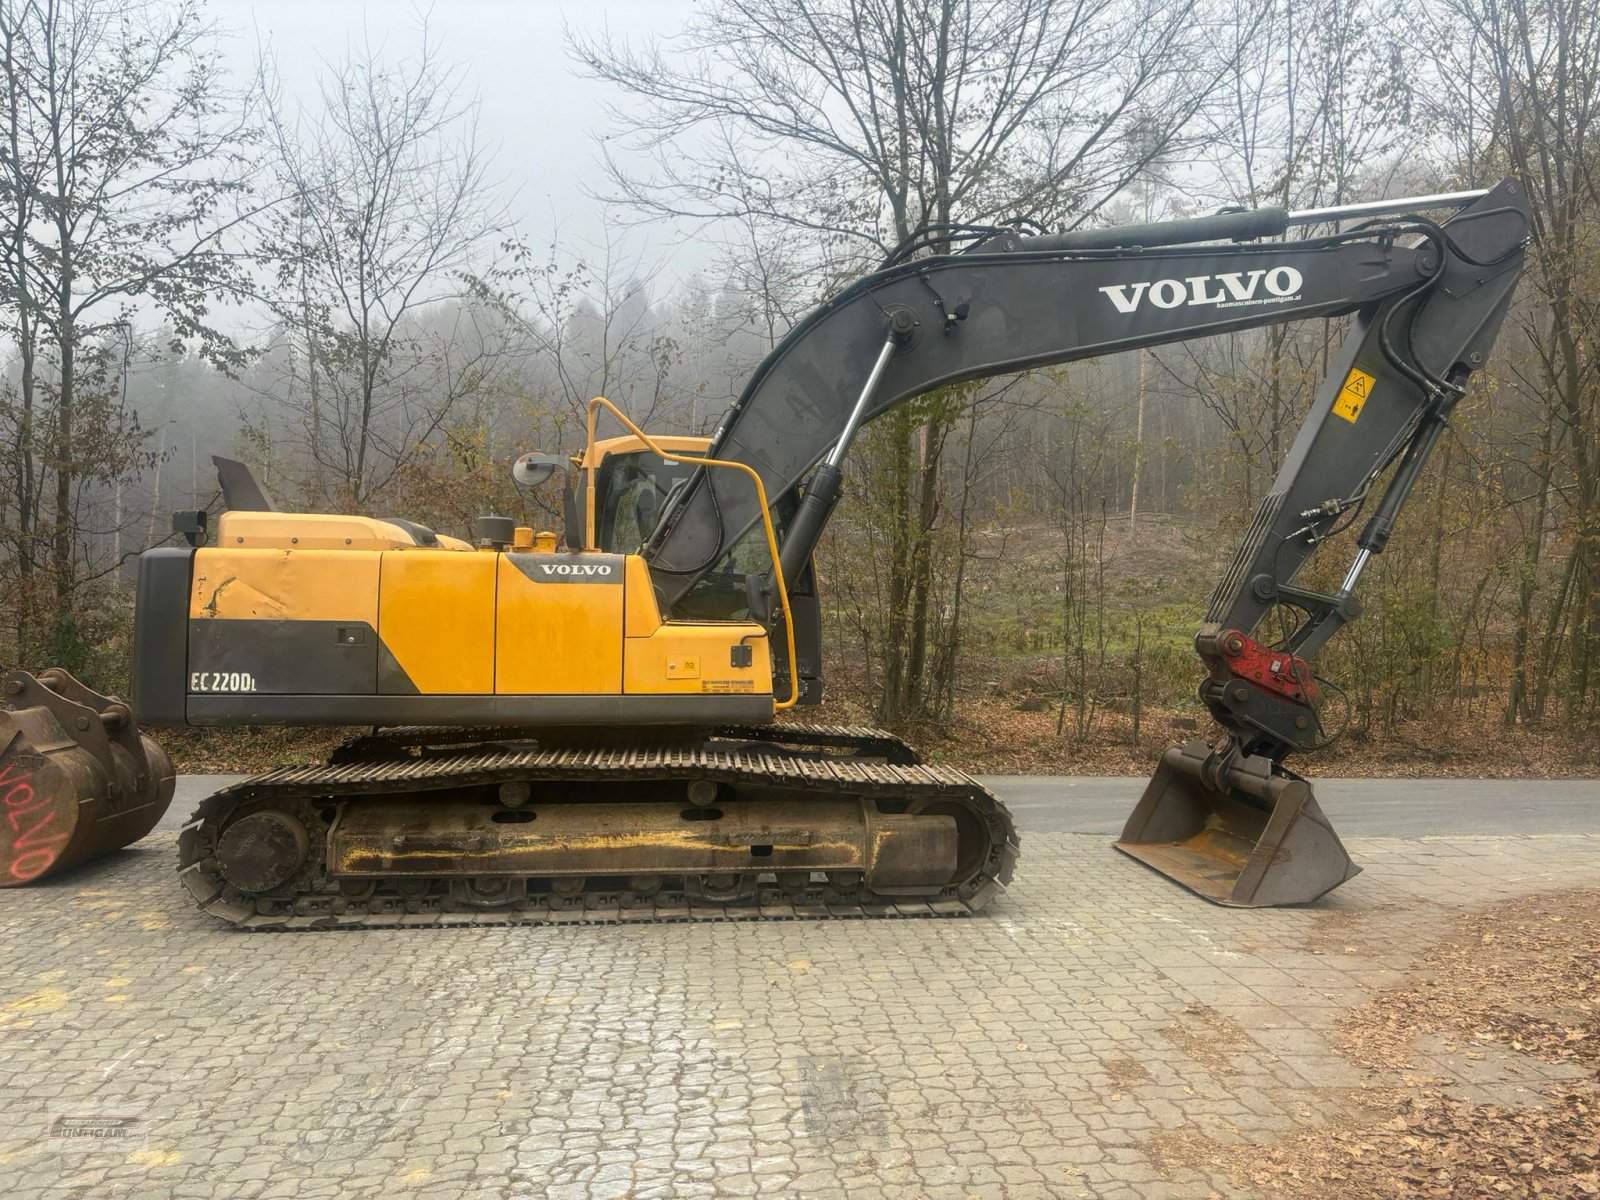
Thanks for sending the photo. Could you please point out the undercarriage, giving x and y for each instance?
(435, 826)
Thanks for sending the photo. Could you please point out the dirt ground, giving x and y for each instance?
(1521, 979)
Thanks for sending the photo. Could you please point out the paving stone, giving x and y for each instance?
(1025, 1052)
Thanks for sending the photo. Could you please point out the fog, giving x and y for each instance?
(536, 113)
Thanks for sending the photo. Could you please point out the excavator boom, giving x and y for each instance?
(1426, 300)
(1013, 302)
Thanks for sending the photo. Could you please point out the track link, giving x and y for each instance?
(800, 762)
(856, 741)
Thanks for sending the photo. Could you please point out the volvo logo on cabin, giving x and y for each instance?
(569, 568)
(1230, 289)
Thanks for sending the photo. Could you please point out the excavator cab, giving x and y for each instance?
(625, 484)
(632, 485)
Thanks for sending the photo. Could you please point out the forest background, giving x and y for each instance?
(194, 261)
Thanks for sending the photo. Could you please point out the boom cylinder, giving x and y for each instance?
(827, 481)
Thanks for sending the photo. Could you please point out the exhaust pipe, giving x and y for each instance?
(77, 777)
(1239, 831)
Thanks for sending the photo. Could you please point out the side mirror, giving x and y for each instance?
(534, 468)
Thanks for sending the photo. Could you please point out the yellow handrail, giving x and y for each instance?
(766, 521)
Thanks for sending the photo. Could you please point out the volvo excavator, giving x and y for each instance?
(583, 727)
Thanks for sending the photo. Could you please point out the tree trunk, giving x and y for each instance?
(932, 437)
(953, 648)
(1527, 588)
(1138, 458)
(891, 702)
(62, 535)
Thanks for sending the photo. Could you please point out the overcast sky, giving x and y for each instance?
(539, 113)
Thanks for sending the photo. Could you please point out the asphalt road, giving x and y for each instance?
(1401, 808)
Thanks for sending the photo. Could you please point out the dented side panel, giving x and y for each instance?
(304, 585)
(283, 622)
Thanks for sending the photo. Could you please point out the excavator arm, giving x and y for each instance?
(1426, 299)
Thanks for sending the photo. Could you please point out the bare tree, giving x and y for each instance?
(386, 211)
(864, 121)
(1311, 110)
(596, 330)
(122, 179)
(1534, 72)
(868, 119)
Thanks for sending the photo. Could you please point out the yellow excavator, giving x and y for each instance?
(585, 726)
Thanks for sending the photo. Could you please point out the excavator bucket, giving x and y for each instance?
(1235, 831)
(77, 778)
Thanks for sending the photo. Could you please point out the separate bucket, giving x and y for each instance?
(1235, 830)
(77, 778)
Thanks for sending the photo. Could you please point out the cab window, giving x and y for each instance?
(633, 487)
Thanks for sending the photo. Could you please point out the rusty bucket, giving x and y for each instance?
(77, 777)
(1237, 830)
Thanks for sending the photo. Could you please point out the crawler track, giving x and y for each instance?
(791, 764)
(854, 741)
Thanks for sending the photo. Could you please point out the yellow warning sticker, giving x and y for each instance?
(1357, 387)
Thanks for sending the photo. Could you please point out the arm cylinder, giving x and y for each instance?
(1229, 226)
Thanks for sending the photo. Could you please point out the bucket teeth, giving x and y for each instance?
(1236, 831)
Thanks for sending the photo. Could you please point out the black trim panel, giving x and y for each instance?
(284, 657)
(161, 635)
(556, 712)
(392, 677)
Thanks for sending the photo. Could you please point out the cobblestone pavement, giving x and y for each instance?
(1031, 1051)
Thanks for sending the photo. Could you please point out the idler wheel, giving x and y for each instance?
(262, 851)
